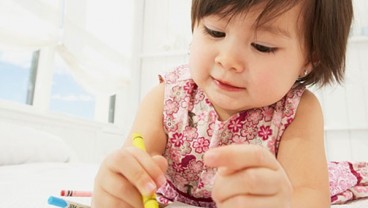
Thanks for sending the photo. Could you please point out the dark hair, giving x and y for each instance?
(326, 29)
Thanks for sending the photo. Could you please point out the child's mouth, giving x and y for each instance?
(226, 86)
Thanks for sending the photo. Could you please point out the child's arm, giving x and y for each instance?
(302, 155)
(129, 172)
(249, 175)
(149, 122)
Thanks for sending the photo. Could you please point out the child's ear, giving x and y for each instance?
(309, 67)
(305, 70)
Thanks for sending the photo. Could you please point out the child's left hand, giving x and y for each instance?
(248, 176)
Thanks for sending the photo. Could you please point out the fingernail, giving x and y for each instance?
(149, 188)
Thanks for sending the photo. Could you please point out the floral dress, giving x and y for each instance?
(192, 127)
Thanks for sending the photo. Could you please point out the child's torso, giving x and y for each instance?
(192, 127)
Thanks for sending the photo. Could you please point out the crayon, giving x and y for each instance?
(59, 202)
(75, 193)
(149, 201)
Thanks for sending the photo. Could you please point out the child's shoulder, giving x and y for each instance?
(309, 99)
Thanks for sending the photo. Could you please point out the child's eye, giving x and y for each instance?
(214, 33)
(263, 49)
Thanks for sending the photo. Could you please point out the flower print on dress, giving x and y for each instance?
(177, 139)
(249, 131)
(163, 200)
(180, 179)
(174, 154)
(202, 118)
(190, 133)
(177, 93)
(199, 98)
(210, 129)
(235, 125)
(208, 178)
(186, 160)
(238, 139)
(186, 147)
(201, 145)
(185, 103)
(360, 189)
(277, 119)
(221, 126)
(265, 132)
(362, 169)
(170, 125)
(212, 115)
(289, 106)
(208, 102)
(341, 178)
(196, 166)
(172, 77)
(297, 92)
(279, 106)
(171, 107)
(268, 112)
(177, 167)
(193, 174)
(189, 87)
(288, 122)
(271, 144)
(255, 116)
(224, 137)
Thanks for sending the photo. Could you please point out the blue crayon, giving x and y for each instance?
(59, 202)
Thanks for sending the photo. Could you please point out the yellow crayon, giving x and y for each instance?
(149, 201)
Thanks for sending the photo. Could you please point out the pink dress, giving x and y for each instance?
(348, 181)
(192, 127)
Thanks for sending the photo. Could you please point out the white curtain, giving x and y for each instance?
(36, 24)
(22, 29)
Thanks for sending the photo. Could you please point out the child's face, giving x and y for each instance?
(240, 68)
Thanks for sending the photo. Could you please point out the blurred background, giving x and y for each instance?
(78, 69)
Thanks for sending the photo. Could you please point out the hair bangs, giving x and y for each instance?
(269, 8)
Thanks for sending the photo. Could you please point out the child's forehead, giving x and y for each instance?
(286, 25)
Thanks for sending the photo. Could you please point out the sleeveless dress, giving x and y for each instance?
(192, 127)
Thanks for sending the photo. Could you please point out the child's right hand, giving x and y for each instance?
(125, 175)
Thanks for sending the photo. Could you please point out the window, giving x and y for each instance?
(67, 96)
(18, 76)
(44, 82)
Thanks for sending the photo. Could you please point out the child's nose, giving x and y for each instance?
(231, 56)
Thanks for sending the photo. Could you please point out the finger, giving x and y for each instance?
(155, 166)
(250, 201)
(143, 172)
(252, 181)
(161, 162)
(240, 156)
(124, 163)
(103, 199)
(120, 188)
